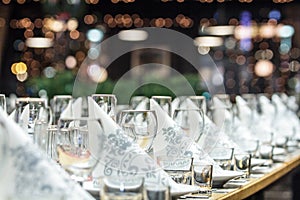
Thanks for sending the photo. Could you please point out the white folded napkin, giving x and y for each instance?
(28, 173)
(121, 155)
(171, 141)
(286, 122)
(212, 135)
(244, 112)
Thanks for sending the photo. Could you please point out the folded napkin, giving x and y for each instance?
(286, 122)
(121, 155)
(221, 115)
(244, 111)
(170, 140)
(212, 136)
(27, 173)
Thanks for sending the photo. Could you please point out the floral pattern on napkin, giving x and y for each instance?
(28, 173)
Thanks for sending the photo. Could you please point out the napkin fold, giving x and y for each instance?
(171, 141)
(28, 173)
(121, 155)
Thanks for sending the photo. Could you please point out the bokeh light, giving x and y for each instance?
(97, 73)
(263, 68)
(95, 35)
(71, 62)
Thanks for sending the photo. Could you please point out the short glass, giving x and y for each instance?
(281, 141)
(157, 192)
(222, 156)
(122, 187)
(202, 177)
(249, 146)
(242, 162)
(178, 168)
(266, 151)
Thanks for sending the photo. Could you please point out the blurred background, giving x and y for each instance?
(256, 43)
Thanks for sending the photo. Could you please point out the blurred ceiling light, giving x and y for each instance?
(208, 41)
(243, 32)
(72, 24)
(95, 35)
(22, 77)
(203, 50)
(57, 26)
(219, 30)
(71, 62)
(267, 31)
(39, 42)
(263, 68)
(97, 73)
(133, 35)
(285, 31)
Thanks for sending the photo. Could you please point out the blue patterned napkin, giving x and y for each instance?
(27, 173)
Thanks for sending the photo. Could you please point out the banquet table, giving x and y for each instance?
(255, 185)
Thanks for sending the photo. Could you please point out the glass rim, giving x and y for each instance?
(30, 99)
(104, 95)
(137, 111)
(62, 95)
(187, 109)
(161, 97)
(79, 118)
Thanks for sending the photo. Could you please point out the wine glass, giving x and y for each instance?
(165, 102)
(107, 102)
(79, 146)
(139, 102)
(29, 110)
(3, 145)
(141, 125)
(191, 121)
(59, 104)
(200, 102)
(3, 102)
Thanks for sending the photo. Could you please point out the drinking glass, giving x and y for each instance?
(3, 146)
(203, 178)
(52, 141)
(59, 104)
(107, 102)
(200, 102)
(242, 162)
(79, 145)
(139, 102)
(222, 156)
(122, 188)
(266, 151)
(28, 110)
(165, 102)
(249, 146)
(141, 125)
(220, 112)
(191, 121)
(178, 168)
(3, 102)
(157, 192)
(224, 98)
